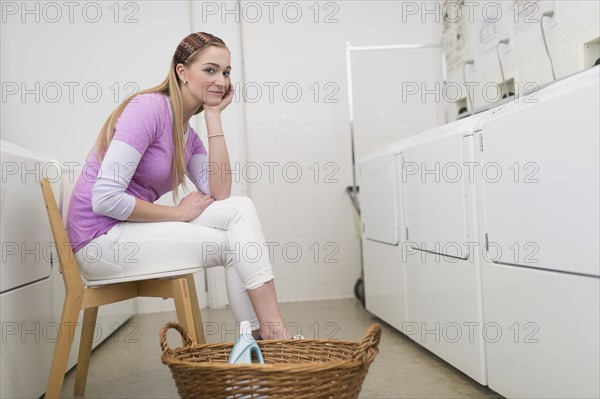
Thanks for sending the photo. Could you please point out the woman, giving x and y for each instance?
(145, 149)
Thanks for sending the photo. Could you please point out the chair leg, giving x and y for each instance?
(195, 308)
(88, 330)
(183, 307)
(62, 349)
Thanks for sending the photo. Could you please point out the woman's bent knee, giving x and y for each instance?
(240, 201)
(258, 279)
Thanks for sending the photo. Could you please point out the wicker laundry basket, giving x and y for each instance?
(293, 369)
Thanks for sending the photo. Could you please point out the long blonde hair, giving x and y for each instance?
(170, 88)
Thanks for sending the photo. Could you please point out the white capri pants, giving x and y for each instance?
(227, 233)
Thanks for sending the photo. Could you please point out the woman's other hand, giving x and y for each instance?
(193, 205)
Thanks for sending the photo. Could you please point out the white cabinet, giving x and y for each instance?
(542, 332)
(385, 283)
(29, 330)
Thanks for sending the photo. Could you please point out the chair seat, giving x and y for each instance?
(141, 277)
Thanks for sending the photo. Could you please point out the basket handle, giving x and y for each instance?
(163, 336)
(369, 341)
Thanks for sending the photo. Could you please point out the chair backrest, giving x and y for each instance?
(66, 257)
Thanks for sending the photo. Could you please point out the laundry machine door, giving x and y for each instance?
(541, 181)
(433, 176)
(379, 198)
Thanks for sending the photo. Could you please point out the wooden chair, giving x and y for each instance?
(89, 295)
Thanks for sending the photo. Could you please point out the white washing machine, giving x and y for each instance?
(32, 290)
(29, 325)
(540, 226)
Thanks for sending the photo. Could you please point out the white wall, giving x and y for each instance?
(525, 59)
(311, 135)
(66, 66)
(114, 57)
(275, 134)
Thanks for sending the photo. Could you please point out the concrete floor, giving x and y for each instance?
(127, 365)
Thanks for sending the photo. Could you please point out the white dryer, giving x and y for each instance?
(443, 268)
(540, 227)
(382, 219)
(421, 274)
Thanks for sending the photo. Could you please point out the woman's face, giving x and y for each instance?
(208, 76)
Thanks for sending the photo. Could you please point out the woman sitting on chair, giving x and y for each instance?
(144, 150)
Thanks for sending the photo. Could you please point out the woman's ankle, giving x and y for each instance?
(274, 331)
